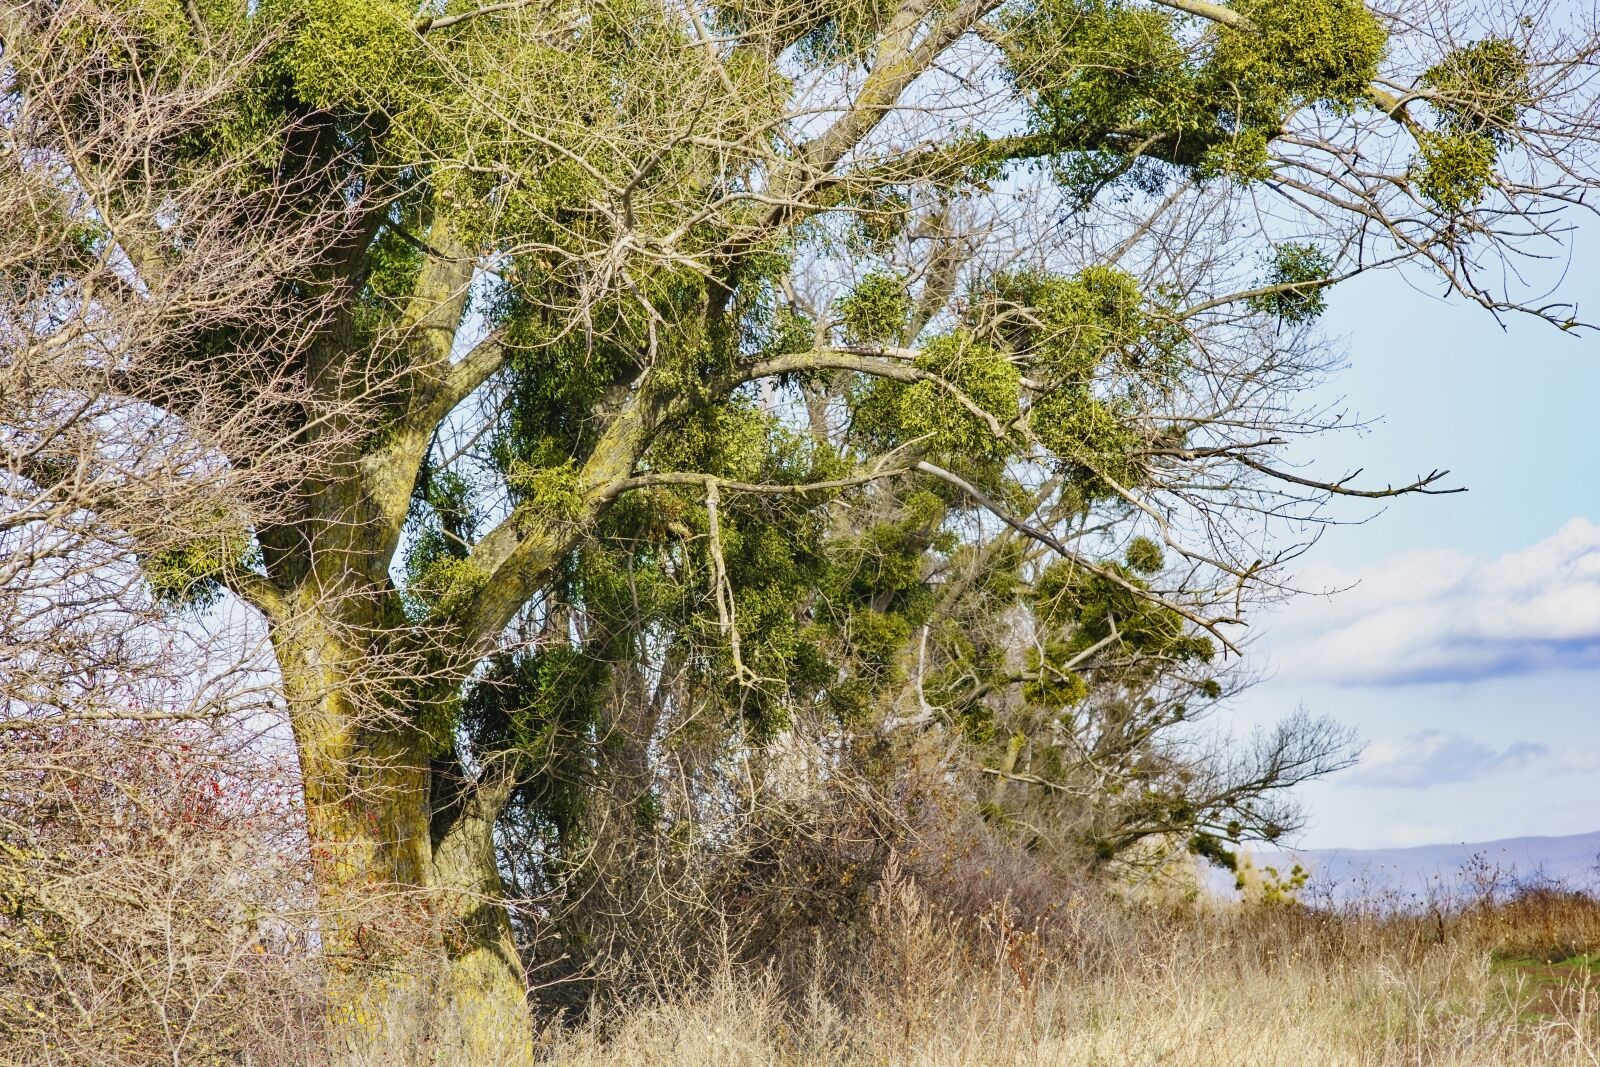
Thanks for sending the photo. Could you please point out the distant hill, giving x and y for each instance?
(1409, 874)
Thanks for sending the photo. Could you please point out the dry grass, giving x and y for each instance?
(1243, 987)
(962, 949)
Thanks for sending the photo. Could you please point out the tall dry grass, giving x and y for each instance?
(948, 944)
(1111, 985)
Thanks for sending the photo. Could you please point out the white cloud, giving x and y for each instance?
(1437, 757)
(1576, 761)
(1442, 616)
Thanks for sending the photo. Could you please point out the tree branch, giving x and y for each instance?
(647, 481)
(896, 66)
(1340, 488)
(517, 554)
(444, 22)
(468, 373)
(430, 322)
(869, 361)
(1044, 537)
(1033, 779)
(256, 590)
(1218, 13)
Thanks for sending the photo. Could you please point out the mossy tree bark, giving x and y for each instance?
(415, 929)
(415, 925)
(416, 933)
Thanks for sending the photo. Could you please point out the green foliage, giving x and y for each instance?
(772, 566)
(983, 375)
(1090, 606)
(1073, 330)
(547, 494)
(1144, 556)
(559, 376)
(1075, 334)
(846, 28)
(1478, 93)
(737, 439)
(875, 311)
(443, 523)
(887, 413)
(188, 575)
(1298, 53)
(883, 565)
(789, 333)
(1242, 156)
(874, 594)
(1074, 58)
(155, 28)
(978, 724)
(545, 704)
(1303, 266)
(1091, 438)
(1453, 171)
(343, 51)
(444, 583)
(1051, 683)
(1295, 55)
(1092, 66)
(650, 564)
(392, 268)
(1214, 850)
(1480, 88)
(449, 494)
(1088, 67)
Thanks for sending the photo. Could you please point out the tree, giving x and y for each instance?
(547, 353)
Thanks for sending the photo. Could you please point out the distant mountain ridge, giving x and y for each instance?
(1345, 874)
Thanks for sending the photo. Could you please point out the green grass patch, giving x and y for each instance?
(1577, 964)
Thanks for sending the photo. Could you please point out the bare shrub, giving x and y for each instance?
(153, 901)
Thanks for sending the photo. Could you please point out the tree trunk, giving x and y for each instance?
(485, 989)
(1008, 766)
(420, 963)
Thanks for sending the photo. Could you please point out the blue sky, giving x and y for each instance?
(1467, 654)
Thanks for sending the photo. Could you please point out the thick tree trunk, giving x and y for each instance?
(485, 990)
(421, 966)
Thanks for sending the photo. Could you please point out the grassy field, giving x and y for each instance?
(1492, 983)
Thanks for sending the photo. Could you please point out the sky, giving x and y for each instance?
(1464, 647)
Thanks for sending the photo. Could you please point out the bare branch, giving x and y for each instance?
(443, 22)
(1422, 486)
